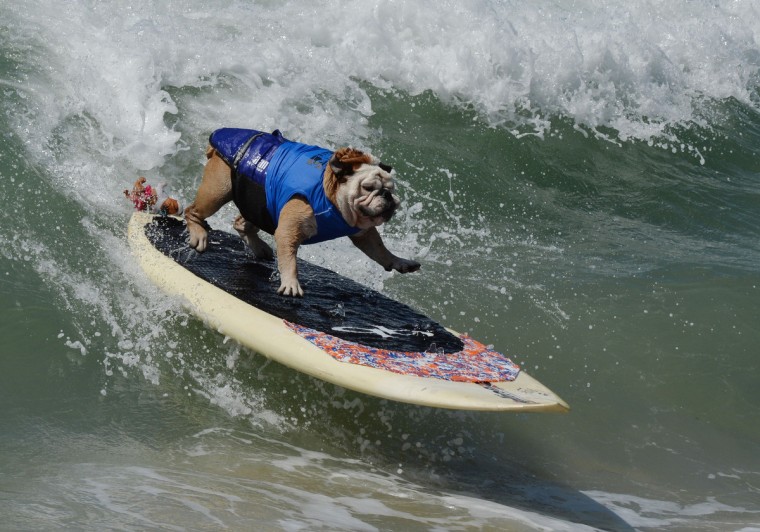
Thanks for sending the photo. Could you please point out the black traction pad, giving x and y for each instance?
(332, 304)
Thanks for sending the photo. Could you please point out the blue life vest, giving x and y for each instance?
(269, 170)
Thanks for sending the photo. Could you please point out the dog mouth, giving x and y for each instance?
(378, 204)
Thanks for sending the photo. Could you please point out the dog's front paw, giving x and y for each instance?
(404, 265)
(290, 288)
(198, 239)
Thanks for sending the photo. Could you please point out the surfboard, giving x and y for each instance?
(341, 331)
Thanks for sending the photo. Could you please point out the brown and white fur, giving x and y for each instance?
(353, 182)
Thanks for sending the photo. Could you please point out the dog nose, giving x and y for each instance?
(390, 208)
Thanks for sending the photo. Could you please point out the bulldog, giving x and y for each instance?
(299, 193)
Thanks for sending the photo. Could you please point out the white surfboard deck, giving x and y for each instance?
(268, 335)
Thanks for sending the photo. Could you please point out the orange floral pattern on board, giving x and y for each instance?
(475, 363)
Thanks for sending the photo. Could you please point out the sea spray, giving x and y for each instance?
(549, 157)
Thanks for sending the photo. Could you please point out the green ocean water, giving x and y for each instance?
(599, 226)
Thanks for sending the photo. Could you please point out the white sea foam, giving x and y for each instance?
(652, 513)
(637, 68)
(293, 489)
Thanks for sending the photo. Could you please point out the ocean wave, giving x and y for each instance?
(625, 71)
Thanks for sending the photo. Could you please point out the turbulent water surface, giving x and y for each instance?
(580, 181)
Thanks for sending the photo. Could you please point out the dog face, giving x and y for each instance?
(361, 187)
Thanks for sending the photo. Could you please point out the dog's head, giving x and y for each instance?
(361, 187)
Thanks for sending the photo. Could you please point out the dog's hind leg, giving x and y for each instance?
(214, 191)
(250, 235)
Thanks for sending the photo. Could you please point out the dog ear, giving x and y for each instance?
(346, 161)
